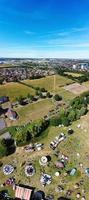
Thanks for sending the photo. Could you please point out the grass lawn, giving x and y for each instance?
(14, 90)
(67, 96)
(32, 112)
(86, 84)
(48, 82)
(76, 143)
(74, 74)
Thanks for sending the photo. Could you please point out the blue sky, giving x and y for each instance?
(44, 28)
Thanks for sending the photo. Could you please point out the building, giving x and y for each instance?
(11, 114)
(23, 192)
(4, 99)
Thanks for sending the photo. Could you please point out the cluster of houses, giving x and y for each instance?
(22, 73)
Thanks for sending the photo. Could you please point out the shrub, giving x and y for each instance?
(57, 97)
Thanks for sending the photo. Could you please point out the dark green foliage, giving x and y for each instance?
(76, 109)
(79, 79)
(24, 135)
(1, 80)
(55, 121)
(49, 95)
(7, 147)
(42, 90)
(57, 97)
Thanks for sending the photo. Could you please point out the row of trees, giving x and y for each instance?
(76, 109)
(39, 94)
(30, 98)
(22, 136)
(80, 79)
(30, 132)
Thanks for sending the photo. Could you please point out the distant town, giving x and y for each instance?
(22, 69)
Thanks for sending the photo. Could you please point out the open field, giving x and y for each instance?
(86, 84)
(76, 88)
(32, 111)
(73, 74)
(14, 90)
(39, 109)
(78, 143)
(48, 82)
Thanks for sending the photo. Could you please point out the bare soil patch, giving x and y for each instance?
(76, 88)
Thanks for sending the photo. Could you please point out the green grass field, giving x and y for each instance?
(48, 82)
(86, 84)
(32, 112)
(74, 74)
(14, 90)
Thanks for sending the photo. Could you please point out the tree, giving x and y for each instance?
(83, 111)
(22, 137)
(3, 150)
(37, 88)
(48, 95)
(37, 92)
(1, 80)
(28, 96)
(57, 97)
(65, 121)
(31, 97)
(19, 99)
(40, 95)
(42, 90)
(55, 121)
(72, 116)
(7, 147)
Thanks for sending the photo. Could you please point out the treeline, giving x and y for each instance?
(22, 135)
(79, 79)
(39, 93)
(25, 134)
(77, 108)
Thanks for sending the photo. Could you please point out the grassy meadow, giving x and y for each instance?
(14, 90)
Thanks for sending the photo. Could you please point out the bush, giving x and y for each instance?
(42, 90)
(48, 95)
(7, 147)
(55, 121)
(22, 137)
(57, 97)
(35, 129)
